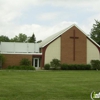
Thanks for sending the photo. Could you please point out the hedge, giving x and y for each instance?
(75, 67)
(21, 67)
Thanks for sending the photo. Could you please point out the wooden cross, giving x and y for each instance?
(73, 37)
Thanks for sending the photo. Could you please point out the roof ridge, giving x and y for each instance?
(51, 38)
(57, 34)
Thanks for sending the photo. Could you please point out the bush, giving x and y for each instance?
(21, 67)
(25, 62)
(95, 64)
(55, 64)
(88, 67)
(72, 67)
(75, 67)
(64, 66)
(83, 67)
(47, 66)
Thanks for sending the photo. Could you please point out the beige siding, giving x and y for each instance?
(53, 51)
(92, 52)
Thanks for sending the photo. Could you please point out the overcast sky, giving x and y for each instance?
(46, 17)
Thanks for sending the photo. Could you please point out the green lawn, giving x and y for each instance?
(48, 85)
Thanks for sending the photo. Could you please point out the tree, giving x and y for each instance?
(32, 39)
(20, 38)
(4, 38)
(95, 32)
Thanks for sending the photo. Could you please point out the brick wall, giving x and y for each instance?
(67, 47)
(14, 59)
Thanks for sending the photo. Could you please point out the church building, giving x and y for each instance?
(70, 46)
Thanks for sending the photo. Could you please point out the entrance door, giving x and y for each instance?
(36, 63)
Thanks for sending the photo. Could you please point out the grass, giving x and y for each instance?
(48, 85)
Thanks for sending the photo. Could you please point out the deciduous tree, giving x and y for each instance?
(4, 38)
(20, 38)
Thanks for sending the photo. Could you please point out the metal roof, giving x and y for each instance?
(56, 35)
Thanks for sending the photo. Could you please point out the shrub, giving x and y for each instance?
(9, 67)
(27, 67)
(88, 67)
(95, 64)
(47, 66)
(83, 67)
(75, 67)
(55, 63)
(25, 62)
(64, 66)
(21, 67)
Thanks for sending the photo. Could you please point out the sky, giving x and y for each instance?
(46, 17)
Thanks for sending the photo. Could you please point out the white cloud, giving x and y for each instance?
(90, 5)
(88, 25)
(41, 32)
(48, 16)
(10, 10)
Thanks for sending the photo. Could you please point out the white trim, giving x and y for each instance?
(37, 63)
(58, 34)
(88, 36)
(61, 32)
(94, 41)
(21, 53)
